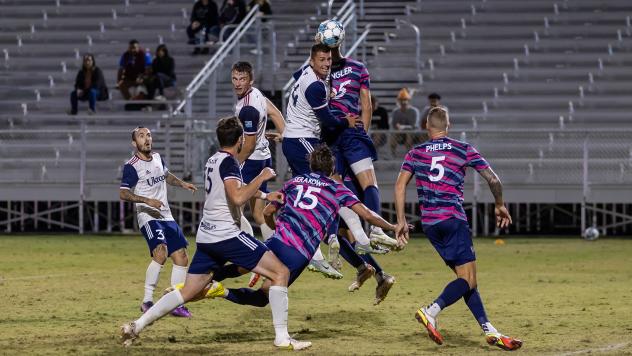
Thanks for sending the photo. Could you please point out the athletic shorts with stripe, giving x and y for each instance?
(242, 250)
(157, 232)
(296, 151)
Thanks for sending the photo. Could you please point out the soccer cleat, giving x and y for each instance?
(128, 335)
(380, 238)
(383, 287)
(506, 343)
(361, 277)
(215, 290)
(325, 268)
(181, 312)
(334, 252)
(145, 306)
(373, 250)
(254, 278)
(431, 325)
(292, 344)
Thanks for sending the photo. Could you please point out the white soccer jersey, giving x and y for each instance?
(301, 119)
(220, 219)
(252, 111)
(147, 179)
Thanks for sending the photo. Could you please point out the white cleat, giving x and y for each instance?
(334, 252)
(128, 335)
(379, 237)
(292, 344)
(373, 250)
(322, 266)
(365, 273)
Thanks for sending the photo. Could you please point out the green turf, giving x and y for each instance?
(69, 294)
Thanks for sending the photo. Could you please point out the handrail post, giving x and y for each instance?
(82, 176)
(273, 57)
(188, 105)
(417, 41)
(259, 39)
(362, 9)
(585, 186)
(212, 95)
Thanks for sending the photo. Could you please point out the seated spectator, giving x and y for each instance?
(379, 121)
(134, 69)
(404, 118)
(264, 7)
(89, 85)
(434, 100)
(203, 18)
(232, 12)
(163, 73)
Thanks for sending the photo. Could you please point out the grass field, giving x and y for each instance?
(69, 294)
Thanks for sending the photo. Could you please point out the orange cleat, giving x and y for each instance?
(430, 325)
(506, 343)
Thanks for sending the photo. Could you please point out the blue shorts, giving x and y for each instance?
(252, 168)
(452, 239)
(243, 250)
(353, 145)
(296, 151)
(289, 256)
(158, 232)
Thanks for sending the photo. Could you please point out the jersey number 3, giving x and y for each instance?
(308, 195)
(436, 165)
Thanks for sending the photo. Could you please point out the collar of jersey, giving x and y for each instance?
(245, 95)
(145, 160)
(230, 154)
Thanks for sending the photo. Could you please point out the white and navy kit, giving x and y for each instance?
(147, 179)
(252, 111)
(219, 238)
(302, 127)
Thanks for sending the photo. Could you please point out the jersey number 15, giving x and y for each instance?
(308, 195)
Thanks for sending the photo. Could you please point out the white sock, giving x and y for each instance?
(166, 304)
(245, 226)
(151, 279)
(266, 231)
(355, 225)
(178, 274)
(489, 328)
(376, 229)
(279, 305)
(433, 310)
(318, 255)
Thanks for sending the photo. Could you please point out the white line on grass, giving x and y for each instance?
(607, 348)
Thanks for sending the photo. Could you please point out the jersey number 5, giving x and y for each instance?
(209, 170)
(436, 165)
(309, 195)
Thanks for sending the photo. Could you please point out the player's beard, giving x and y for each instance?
(145, 149)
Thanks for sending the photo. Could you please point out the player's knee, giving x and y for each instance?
(282, 275)
(180, 257)
(159, 254)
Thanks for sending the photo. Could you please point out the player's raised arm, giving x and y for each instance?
(171, 179)
(238, 194)
(371, 217)
(503, 218)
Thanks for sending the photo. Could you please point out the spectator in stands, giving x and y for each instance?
(264, 7)
(163, 73)
(89, 85)
(434, 100)
(232, 12)
(204, 17)
(134, 69)
(379, 121)
(404, 118)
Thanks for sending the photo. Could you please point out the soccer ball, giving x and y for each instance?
(330, 33)
(591, 233)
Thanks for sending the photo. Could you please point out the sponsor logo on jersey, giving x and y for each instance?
(155, 180)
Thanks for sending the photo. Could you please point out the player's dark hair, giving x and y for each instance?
(133, 42)
(244, 67)
(434, 96)
(135, 130)
(319, 47)
(229, 131)
(322, 160)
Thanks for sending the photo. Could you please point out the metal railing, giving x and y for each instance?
(208, 72)
(418, 61)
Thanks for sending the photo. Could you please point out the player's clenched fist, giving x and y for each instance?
(267, 173)
(154, 203)
(275, 197)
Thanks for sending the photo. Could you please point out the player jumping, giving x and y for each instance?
(438, 166)
(144, 182)
(219, 239)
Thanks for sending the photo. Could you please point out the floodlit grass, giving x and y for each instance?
(69, 294)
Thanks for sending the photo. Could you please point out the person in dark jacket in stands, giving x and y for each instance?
(89, 85)
(232, 12)
(163, 73)
(134, 69)
(264, 7)
(379, 121)
(203, 17)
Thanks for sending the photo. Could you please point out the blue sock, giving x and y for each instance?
(454, 291)
(370, 260)
(333, 228)
(473, 300)
(372, 199)
(247, 296)
(226, 271)
(347, 252)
